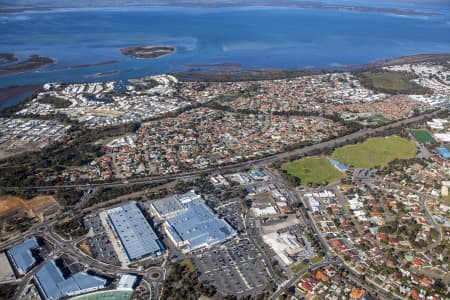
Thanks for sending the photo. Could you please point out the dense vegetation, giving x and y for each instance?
(108, 193)
(241, 75)
(7, 291)
(77, 150)
(69, 197)
(72, 228)
(17, 223)
(183, 283)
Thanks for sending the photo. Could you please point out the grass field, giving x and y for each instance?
(106, 295)
(375, 152)
(314, 170)
(422, 136)
(299, 267)
(391, 82)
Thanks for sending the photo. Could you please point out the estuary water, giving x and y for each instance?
(261, 37)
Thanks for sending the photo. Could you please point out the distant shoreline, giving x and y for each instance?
(211, 74)
(227, 74)
(250, 4)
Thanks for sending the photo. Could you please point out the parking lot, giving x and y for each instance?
(235, 268)
(227, 203)
(232, 212)
(100, 244)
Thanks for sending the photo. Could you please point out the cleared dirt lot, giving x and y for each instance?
(33, 207)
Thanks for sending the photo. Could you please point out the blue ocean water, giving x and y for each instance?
(281, 38)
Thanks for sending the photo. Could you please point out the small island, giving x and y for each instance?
(32, 63)
(147, 52)
(6, 58)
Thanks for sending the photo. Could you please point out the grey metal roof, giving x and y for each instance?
(200, 226)
(134, 232)
(174, 204)
(21, 255)
(167, 205)
(54, 286)
(48, 278)
(85, 281)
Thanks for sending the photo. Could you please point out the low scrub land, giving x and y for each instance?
(390, 82)
(56, 102)
(376, 152)
(313, 170)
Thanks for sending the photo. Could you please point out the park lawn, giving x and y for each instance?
(391, 82)
(317, 259)
(299, 267)
(314, 170)
(374, 152)
(422, 136)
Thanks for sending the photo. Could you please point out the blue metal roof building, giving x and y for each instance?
(22, 257)
(339, 165)
(134, 232)
(198, 227)
(443, 152)
(54, 286)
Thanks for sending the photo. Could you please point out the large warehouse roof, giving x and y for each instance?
(173, 205)
(199, 226)
(136, 236)
(168, 205)
(21, 255)
(55, 286)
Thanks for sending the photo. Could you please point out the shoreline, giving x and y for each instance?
(399, 11)
(148, 51)
(230, 74)
(225, 74)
